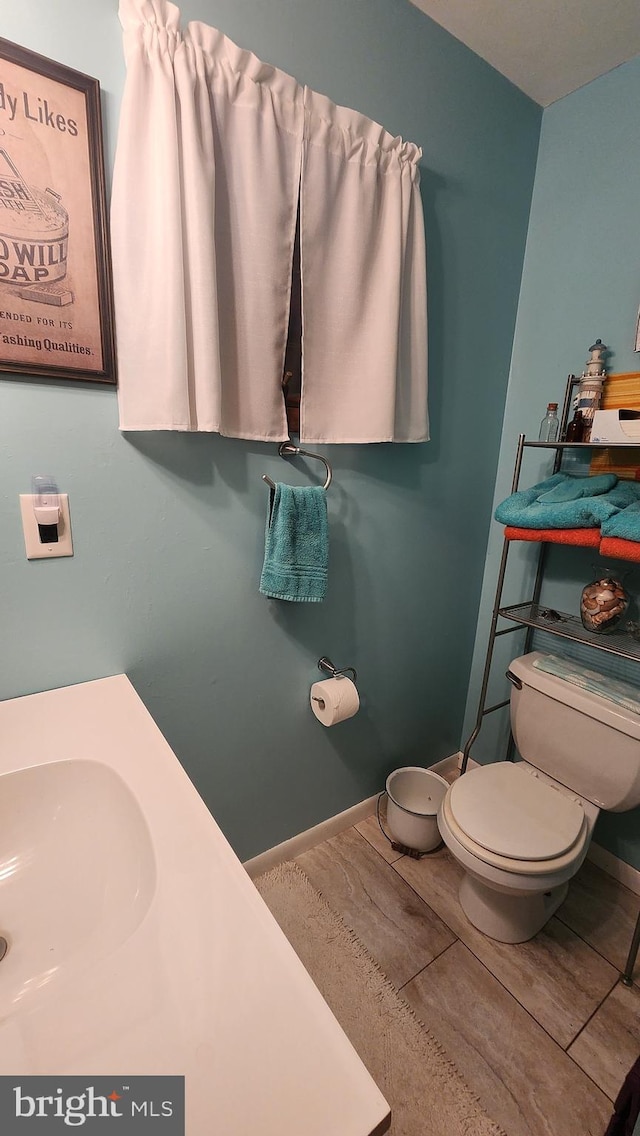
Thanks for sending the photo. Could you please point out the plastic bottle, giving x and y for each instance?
(550, 426)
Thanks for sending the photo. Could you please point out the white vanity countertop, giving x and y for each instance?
(199, 980)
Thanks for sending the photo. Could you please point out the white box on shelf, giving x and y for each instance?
(616, 426)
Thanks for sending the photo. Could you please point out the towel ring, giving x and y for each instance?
(288, 450)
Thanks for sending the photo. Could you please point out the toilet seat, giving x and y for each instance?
(570, 835)
(508, 810)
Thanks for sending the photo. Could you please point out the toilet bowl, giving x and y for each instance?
(521, 830)
(519, 855)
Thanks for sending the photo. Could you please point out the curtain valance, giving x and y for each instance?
(216, 152)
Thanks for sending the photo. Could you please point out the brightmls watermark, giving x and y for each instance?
(116, 1106)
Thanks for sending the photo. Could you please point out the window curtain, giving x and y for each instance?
(215, 152)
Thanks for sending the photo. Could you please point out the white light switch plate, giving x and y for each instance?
(34, 548)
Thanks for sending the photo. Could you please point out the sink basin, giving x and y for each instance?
(77, 872)
(138, 945)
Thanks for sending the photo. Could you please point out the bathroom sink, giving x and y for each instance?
(138, 945)
(77, 873)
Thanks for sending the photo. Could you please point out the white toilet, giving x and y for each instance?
(521, 829)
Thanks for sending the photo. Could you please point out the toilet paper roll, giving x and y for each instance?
(334, 700)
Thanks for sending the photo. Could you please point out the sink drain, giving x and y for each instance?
(3, 947)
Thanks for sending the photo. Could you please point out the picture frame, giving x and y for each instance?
(56, 296)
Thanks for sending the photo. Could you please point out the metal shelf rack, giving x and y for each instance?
(567, 626)
(532, 616)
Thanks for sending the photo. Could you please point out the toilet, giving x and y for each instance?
(520, 830)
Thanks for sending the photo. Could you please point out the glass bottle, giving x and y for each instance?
(550, 426)
(575, 429)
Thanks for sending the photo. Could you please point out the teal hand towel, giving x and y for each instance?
(296, 552)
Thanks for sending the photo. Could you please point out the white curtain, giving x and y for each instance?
(215, 151)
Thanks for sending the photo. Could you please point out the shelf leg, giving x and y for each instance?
(489, 658)
(494, 618)
(627, 974)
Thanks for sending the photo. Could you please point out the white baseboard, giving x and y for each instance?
(447, 765)
(458, 757)
(296, 845)
(613, 866)
(606, 861)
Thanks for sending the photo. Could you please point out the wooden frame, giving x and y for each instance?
(56, 303)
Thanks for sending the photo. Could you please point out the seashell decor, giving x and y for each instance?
(603, 603)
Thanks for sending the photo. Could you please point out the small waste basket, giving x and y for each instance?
(414, 796)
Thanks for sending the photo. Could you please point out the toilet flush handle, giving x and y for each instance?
(514, 680)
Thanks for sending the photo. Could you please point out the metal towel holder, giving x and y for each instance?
(288, 450)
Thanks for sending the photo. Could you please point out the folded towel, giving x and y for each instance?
(622, 693)
(526, 508)
(587, 538)
(625, 524)
(625, 493)
(573, 488)
(296, 552)
(615, 548)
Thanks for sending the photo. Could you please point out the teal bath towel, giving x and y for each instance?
(296, 553)
(564, 502)
(626, 524)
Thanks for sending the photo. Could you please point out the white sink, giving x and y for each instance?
(137, 942)
(77, 872)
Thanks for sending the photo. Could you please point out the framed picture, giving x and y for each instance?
(56, 305)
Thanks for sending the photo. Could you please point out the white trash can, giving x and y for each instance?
(414, 796)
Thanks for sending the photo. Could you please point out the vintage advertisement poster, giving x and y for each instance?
(55, 290)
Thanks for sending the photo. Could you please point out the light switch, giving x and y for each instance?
(34, 547)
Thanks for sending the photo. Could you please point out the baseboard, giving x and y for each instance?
(447, 765)
(296, 845)
(621, 871)
(458, 758)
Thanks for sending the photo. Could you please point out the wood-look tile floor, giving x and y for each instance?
(544, 1032)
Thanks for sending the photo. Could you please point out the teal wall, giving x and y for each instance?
(168, 529)
(581, 281)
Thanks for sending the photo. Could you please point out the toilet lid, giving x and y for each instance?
(513, 813)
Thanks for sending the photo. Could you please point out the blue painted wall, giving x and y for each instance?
(168, 530)
(581, 281)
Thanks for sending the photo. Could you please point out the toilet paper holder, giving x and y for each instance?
(325, 664)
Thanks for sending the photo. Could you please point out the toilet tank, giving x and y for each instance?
(586, 742)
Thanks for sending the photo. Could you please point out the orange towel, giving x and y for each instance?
(619, 549)
(587, 538)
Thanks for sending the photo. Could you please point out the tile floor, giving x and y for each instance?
(544, 1032)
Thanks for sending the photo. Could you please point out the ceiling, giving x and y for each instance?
(548, 48)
